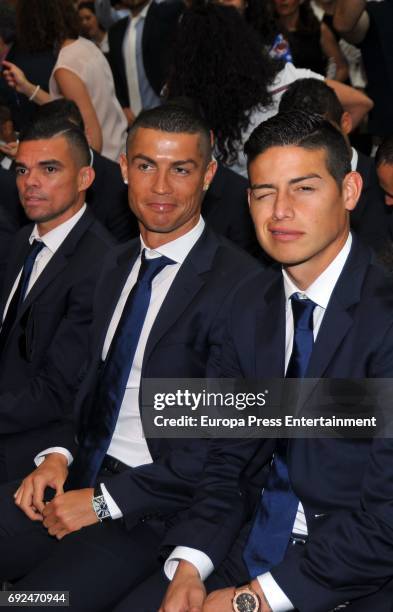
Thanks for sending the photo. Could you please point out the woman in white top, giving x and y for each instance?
(220, 63)
(81, 73)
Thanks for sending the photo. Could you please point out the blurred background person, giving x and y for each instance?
(139, 52)
(324, 12)
(311, 42)
(369, 26)
(81, 73)
(29, 50)
(219, 62)
(91, 27)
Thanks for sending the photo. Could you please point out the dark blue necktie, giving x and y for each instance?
(276, 514)
(114, 376)
(20, 291)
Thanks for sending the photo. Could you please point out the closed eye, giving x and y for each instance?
(305, 188)
(261, 195)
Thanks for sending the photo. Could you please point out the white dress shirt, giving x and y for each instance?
(52, 241)
(319, 292)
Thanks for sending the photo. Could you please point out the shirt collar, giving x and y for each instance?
(53, 239)
(321, 289)
(354, 159)
(177, 249)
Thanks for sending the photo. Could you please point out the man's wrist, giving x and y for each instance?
(58, 458)
(265, 607)
(185, 568)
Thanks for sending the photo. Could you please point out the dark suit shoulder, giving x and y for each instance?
(166, 10)
(101, 234)
(118, 28)
(233, 255)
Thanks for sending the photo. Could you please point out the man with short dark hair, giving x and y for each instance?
(107, 196)
(369, 218)
(159, 313)
(46, 302)
(327, 314)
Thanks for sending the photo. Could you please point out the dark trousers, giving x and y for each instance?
(98, 565)
(148, 595)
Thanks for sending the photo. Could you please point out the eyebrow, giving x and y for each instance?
(293, 181)
(179, 162)
(45, 162)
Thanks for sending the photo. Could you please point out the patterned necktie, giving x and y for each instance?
(20, 291)
(114, 376)
(276, 514)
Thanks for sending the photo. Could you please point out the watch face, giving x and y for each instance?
(246, 602)
(100, 507)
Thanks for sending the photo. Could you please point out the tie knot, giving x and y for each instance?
(151, 267)
(302, 309)
(35, 247)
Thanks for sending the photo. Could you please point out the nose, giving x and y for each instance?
(388, 200)
(282, 208)
(161, 184)
(31, 178)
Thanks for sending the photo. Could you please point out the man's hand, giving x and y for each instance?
(69, 512)
(186, 592)
(52, 473)
(222, 600)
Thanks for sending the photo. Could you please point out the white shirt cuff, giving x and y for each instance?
(38, 459)
(198, 558)
(113, 508)
(275, 596)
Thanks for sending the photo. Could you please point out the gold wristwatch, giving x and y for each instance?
(246, 599)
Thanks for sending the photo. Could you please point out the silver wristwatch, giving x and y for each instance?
(99, 504)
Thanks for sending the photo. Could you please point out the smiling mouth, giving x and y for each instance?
(161, 206)
(285, 235)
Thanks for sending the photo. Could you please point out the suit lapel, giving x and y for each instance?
(111, 286)
(58, 262)
(270, 332)
(338, 318)
(188, 282)
(15, 267)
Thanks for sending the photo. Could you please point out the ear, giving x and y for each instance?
(249, 197)
(351, 189)
(209, 174)
(346, 123)
(86, 178)
(124, 167)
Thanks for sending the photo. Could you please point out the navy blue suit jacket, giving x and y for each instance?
(47, 345)
(345, 485)
(183, 480)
